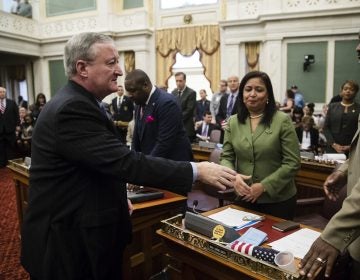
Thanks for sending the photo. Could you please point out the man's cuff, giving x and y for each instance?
(195, 171)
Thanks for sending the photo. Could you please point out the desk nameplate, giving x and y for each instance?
(174, 227)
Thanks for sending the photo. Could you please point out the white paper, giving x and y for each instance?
(234, 218)
(297, 243)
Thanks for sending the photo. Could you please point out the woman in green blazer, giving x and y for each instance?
(261, 145)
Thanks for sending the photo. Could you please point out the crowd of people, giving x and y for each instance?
(80, 161)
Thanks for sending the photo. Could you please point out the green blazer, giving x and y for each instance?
(271, 155)
(343, 230)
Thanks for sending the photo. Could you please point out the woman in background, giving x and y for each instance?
(36, 108)
(260, 143)
(288, 104)
(308, 135)
(342, 119)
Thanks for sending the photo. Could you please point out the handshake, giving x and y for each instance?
(221, 177)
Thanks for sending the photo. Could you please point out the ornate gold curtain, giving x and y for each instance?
(186, 40)
(252, 50)
(129, 61)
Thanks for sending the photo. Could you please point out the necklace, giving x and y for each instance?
(256, 116)
(346, 105)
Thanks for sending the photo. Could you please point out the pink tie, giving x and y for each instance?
(2, 106)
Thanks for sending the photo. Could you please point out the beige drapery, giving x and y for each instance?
(186, 40)
(252, 50)
(16, 72)
(129, 61)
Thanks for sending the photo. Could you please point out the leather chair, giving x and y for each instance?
(215, 136)
(328, 209)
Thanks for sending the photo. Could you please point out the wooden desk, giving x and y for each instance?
(201, 153)
(311, 177)
(143, 257)
(197, 263)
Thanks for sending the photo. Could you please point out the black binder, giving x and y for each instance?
(144, 194)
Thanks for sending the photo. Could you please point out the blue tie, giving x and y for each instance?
(230, 107)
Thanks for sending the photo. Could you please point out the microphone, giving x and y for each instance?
(195, 204)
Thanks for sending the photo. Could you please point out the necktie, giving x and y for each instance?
(141, 112)
(2, 106)
(119, 102)
(179, 93)
(230, 107)
(205, 130)
(103, 110)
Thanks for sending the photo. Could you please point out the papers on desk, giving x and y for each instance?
(236, 218)
(297, 243)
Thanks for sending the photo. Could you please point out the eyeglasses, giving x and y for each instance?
(253, 218)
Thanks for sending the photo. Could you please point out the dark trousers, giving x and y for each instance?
(283, 209)
(355, 270)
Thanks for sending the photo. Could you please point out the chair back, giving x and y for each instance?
(215, 135)
(215, 155)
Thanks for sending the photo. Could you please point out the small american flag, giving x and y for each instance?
(261, 253)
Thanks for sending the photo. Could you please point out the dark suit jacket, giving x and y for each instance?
(160, 132)
(9, 120)
(187, 103)
(314, 137)
(77, 222)
(201, 109)
(221, 115)
(126, 110)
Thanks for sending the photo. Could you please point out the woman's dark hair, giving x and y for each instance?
(311, 107)
(270, 108)
(38, 96)
(290, 94)
(298, 111)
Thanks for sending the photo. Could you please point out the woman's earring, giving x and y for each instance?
(267, 101)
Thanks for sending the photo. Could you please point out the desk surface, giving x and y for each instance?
(195, 255)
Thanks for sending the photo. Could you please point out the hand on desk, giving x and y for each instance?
(216, 175)
(321, 253)
(333, 184)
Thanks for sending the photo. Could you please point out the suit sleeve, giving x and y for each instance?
(344, 227)
(189, 109)
(327, 126)
(228, 154)
(169, 118)
(83, 136)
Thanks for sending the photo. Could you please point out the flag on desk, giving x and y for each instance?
(261, 253)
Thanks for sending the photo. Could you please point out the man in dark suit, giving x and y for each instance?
(77, 222)
(123, 110)
(159, 130)
(9, 119)
(229, 103)
(202, 105)
(187, 99)
(205, 127)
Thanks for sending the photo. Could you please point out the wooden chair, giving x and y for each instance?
(327, 209)
(215, 136)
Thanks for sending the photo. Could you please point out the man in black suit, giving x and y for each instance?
(205, 127)
(159, 130)
(187, 99)
(229, 103)
(9, 119)
(202, 105)
(77, 222)
(123, 110)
